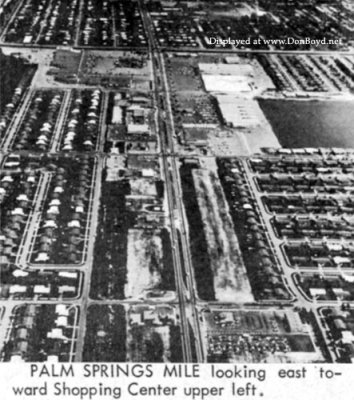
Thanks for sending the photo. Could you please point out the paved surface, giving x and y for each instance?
(188, 302)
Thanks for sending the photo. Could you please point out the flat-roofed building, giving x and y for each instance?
(238, 112)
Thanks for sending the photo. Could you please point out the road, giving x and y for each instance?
(25, 250)
(300, 299)
(59, 126)
(84, 300)
(78, 23)
(180, 248)
(33, 221)
(186, 347)
(102, 126)
(188, 302)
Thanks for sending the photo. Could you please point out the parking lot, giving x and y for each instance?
(245, 335)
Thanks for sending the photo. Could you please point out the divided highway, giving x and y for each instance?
(180, 248)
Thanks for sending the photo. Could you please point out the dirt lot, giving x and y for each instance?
(230, 280)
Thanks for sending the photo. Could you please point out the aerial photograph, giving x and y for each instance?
(177, 181)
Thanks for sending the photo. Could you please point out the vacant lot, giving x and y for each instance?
(230, 279)
(144, 262)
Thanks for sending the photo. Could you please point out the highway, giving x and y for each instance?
(186, 295)
(164, 143)
(188, 302)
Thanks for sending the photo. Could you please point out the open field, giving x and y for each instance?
(144, 263)
(230, 279)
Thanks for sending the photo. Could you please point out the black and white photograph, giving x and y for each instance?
(176, 188)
